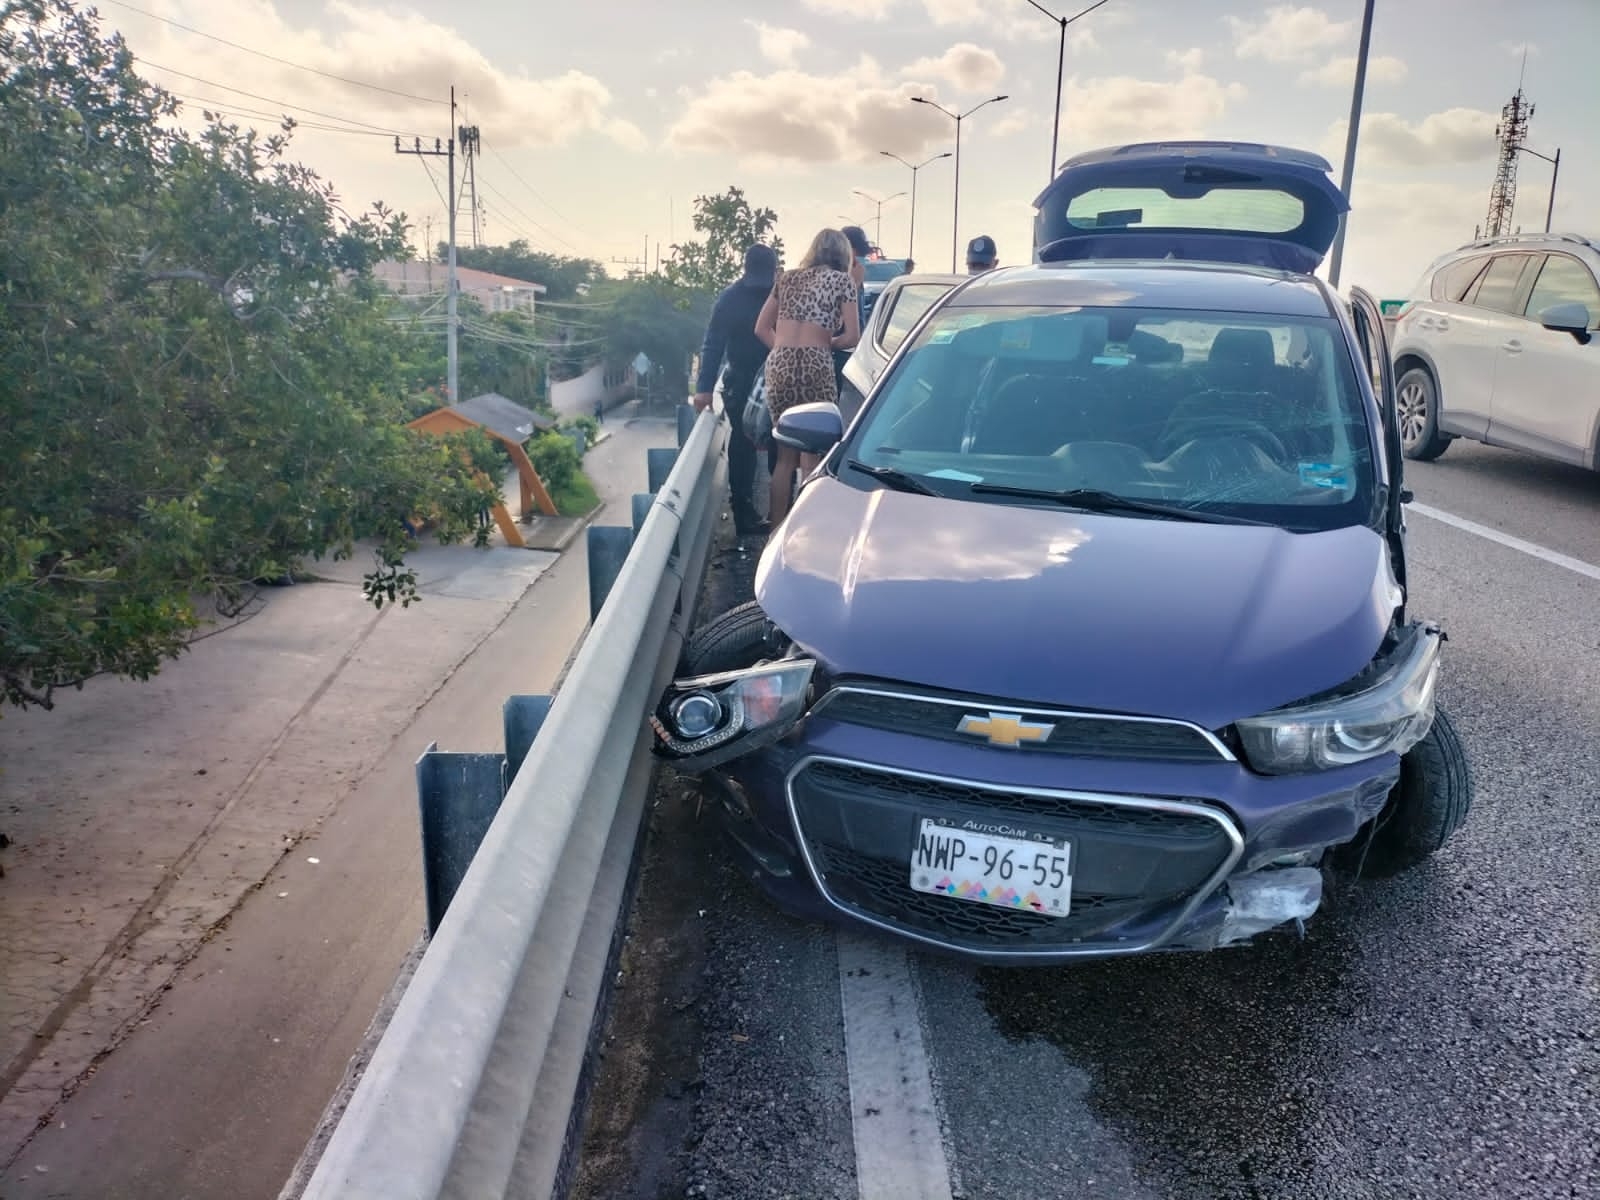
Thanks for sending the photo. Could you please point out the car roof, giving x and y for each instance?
(925, 277)
(1130, 283)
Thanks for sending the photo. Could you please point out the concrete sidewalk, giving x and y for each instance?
(144, 815)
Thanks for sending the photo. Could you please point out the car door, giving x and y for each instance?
(1372, 335)
(1547, 382)
(1468, 346)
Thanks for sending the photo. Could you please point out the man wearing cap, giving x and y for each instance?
(731, 333)
(981, 255)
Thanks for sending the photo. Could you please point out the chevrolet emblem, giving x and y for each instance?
(1004, 729)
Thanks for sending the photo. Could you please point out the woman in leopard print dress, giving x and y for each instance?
(797, 322)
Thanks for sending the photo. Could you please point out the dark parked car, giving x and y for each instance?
(878, 272)
(1090, 635)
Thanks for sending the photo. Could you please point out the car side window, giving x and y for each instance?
(1452, 282)
(1564, 280)
(909, 305)
(1497, 288)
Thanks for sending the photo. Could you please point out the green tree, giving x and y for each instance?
(730, 224)
(563, 278)
(653, 315)
(201, 387)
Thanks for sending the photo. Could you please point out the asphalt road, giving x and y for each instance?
(1434, 1035)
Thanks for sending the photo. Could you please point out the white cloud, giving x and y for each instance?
(1012, 123)
(1341, 72)
(793, 116)
(964, 65)
(777, 43)
(1451, 137)
(1288, 34)
(1122, 108)
(1187, 61)
(1396, 229)
(402, 51)
(1081, 39)
(861, 10)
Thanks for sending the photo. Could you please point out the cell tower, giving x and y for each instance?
(471, 144)
(1512, 132)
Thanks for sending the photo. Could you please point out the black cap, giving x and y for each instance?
(981, 249)
(858, 240)
(760, 262)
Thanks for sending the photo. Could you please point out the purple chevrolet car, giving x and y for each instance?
(1089, 635)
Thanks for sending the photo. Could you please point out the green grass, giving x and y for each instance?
(576, 498)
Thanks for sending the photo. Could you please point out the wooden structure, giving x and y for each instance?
(510, 424)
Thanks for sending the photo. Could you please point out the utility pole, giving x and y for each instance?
(470, 145)
(1350, 143)
(447, 151)
(911, 237)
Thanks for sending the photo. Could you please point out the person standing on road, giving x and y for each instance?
(982, 255)
(798, 322)
(860, 250)
(731, 334)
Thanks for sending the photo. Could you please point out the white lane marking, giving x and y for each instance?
(899, 1149)
(1544, 554)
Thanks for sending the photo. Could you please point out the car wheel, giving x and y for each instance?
(1425, 808)
(1417, 411)
(739, 638)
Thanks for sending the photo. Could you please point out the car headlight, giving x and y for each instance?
(1387, 716)
(709, 719)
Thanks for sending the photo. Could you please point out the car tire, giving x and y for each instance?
(739, 638)
(1424, 810)
(1417, 412)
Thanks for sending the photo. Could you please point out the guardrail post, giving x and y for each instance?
(658, 465)
(642, 502)
(459, 795)
(522, 717)
(686, 419)
(608, 549)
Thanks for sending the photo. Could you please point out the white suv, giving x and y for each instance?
(1496, 343)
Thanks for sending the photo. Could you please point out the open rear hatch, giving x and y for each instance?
(1234, 202)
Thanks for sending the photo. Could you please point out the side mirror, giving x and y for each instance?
(810, 428)
(1570, 318)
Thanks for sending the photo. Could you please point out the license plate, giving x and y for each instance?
(1008, 872)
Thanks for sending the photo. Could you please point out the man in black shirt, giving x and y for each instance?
(731, 333)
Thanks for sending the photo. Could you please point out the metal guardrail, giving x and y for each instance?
(475, 1088)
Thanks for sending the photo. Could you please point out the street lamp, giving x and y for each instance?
(911, 237)
(877, 227)
(1061, 68)
(1555, 169)
(1350, 143)
(955, 209)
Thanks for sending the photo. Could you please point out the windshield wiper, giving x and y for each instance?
(1094, 500)
(893, 477)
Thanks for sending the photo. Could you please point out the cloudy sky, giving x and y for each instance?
(601, 120)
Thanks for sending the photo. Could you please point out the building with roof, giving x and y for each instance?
(497, 293)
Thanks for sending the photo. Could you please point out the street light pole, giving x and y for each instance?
(877, 227)
(911, 237)
(1555, 169)
(1061, 70)
(1350, 143)
(955, 208)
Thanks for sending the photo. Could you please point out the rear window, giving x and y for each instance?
(1230, 209)
(879, 270)
(1451, 283)
(1243, 414)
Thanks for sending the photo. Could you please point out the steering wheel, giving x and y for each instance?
(1187, 429)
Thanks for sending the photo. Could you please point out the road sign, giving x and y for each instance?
(641, 364)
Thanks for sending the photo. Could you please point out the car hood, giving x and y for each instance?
(1047, 607)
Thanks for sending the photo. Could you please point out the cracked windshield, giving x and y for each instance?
(840, 600)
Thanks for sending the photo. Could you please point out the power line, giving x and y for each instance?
(536, 194)
(274, 58)
(227, 109)
(390, 132)
(514, 208)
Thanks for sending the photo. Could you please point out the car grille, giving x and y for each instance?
(856, 822)
(1078, 734)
